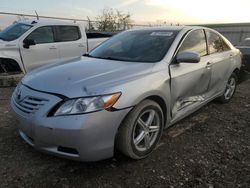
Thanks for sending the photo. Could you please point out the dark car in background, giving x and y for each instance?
(244, 47)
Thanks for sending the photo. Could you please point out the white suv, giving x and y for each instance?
(26, 45)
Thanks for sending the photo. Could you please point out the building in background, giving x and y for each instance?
(235, 32)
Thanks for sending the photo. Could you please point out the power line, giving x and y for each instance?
(47, 17)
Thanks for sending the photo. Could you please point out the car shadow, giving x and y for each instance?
(244, 76)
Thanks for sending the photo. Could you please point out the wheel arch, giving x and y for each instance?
(154, 98)
(161, 102)
(9, 65)
(237, 72)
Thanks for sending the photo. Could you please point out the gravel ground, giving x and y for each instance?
(210, 148)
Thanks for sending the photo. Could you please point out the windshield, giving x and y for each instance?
(14, 31)
(139, 46)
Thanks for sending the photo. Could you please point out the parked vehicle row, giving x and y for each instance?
(121, 95)
(26, 45)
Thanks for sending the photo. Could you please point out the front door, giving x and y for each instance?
(45, 50)
(190, 81)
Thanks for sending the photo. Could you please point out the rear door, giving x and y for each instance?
(45, 50)
(189, 81)
(221, 61)
(71, 43)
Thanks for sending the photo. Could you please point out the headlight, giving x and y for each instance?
(85, 105)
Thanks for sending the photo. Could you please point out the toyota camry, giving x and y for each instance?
(125, 92)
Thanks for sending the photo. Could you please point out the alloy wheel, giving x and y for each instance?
(230, 88)
(146, 130)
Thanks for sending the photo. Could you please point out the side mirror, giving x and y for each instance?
(28, 42)
(188, 57)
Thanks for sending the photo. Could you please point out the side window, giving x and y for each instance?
(67, 33)
(195, 42)
(215, 43)
(42, 35)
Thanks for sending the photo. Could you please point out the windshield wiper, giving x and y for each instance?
(112, 58)
(108, 57)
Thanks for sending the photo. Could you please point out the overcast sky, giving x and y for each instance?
(143, 11)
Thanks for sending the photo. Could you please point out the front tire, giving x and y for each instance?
(140, 132)
(230, 89)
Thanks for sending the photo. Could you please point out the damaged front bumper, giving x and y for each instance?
(86, 137)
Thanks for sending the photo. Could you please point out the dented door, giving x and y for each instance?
(189, 84)
(190, 81)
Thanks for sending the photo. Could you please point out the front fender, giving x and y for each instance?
(154, 85)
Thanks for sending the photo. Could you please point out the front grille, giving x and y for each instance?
(29, 104)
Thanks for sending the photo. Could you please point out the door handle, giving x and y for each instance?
(80, 45)
(208, 66)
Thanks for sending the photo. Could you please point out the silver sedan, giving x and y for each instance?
(121, 96)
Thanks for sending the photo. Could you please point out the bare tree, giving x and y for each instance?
(113, 20)
(124, 21)
(90, 26)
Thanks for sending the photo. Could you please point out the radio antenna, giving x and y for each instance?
(37, 17)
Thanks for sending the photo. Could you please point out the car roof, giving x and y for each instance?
(46, 22)
(167, 28)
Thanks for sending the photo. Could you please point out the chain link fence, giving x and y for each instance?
(89, 25)
(236, 33)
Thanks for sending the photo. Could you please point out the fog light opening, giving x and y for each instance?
(67, 150)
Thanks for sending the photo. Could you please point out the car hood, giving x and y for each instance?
(8, 44)
(85, 77)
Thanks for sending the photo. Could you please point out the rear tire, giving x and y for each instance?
(140, 132)
(230, 89)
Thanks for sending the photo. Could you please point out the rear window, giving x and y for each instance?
(67, 33)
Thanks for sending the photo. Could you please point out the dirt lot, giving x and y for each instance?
(211, 148)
